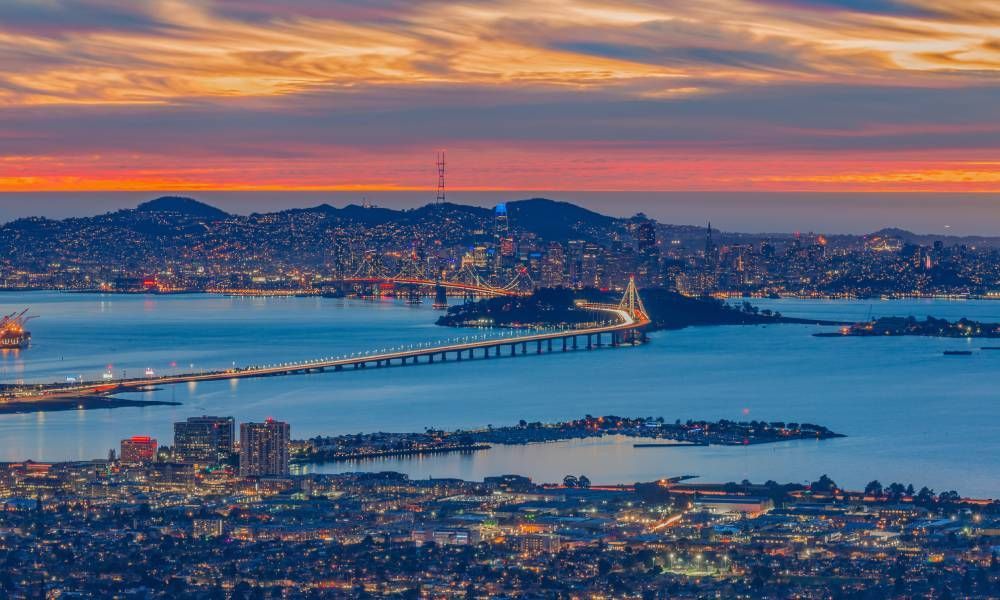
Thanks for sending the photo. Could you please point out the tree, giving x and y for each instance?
(874, 488)
(949, 496)
(583, 481)
(570, 481)
(603, 567)
(925, 495)
(823, 484)
(896, 490)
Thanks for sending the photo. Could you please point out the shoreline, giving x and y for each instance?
(80, 403)
(320, 459)
(647, 433)
(319, 293)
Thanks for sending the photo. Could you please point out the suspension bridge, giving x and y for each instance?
(410, 274)
(623, 327)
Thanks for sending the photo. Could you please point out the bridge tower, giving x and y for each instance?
(440, 296)
(413, 294)
(631, 302)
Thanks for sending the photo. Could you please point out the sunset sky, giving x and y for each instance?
(724, 95)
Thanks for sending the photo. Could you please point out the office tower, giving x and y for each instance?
(646, 237)
(264, 449)
(204, 440)
(138, 449)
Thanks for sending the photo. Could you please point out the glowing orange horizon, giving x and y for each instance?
(582, 95)
(508, 169)
(190, 187)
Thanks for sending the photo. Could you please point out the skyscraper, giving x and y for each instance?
(500, 220)
(138, 449)
(646, 237)
(204, 440)
(264, 449)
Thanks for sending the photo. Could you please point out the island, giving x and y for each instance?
(556, 307)
(88, 402)
(898, 326)
(676, 434)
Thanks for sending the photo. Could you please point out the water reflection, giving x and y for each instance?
(911, 414)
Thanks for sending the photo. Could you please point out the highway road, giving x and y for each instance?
(624, 321)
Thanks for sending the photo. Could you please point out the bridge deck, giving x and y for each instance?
(61, 391)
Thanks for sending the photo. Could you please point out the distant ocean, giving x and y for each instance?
(751, 212)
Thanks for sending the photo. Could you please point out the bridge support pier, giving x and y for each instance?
(338, 368)
(538, 347)
(590, 342)
(550, 344)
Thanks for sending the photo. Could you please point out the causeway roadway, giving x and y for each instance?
(624, 322)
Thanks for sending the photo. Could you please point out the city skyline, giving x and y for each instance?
(952, 214)
(486, 299)
(754, 95)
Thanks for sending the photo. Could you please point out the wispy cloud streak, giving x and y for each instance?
(94, 91)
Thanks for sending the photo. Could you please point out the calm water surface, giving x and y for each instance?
(911, 414)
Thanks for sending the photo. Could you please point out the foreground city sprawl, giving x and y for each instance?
(210, 518)
(178, 244)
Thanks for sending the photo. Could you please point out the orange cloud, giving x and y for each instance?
(668, 96)
(192, 49)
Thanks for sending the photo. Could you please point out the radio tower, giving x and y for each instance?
(440, 166)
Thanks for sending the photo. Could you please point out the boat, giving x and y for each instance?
(13, 335)
(958, 352)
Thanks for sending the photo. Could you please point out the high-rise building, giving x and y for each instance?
(138, 449)
(646, 237)
(206, 528)
(500, 222)
(554, 266)
(204, 440)
(264, 449)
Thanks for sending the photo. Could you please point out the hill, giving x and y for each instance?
(184, 206)
(559, 221)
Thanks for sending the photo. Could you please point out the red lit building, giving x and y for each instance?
(138, 449)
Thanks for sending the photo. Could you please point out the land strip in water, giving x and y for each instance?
(339, 448)
(80, 403)
(666, 309)
(929, 327)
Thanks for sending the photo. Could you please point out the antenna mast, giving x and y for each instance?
(440, 167)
